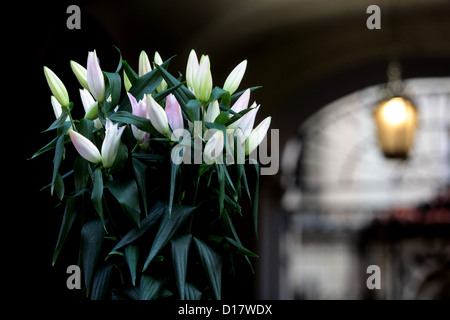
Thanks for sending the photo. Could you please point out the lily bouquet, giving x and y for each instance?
(158, 169)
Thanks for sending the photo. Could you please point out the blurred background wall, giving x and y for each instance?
(313, 59)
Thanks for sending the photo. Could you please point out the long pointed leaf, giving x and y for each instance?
(101, 283)
(168, 227)
(151, 219)
(97, 193)
(149, 287)
(180, 250)
(212, 262)
(126, 193)
(131, 255)
(92, 234)
(67, 222)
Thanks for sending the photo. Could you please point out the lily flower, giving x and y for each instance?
(57, 87)
(144, 64)
(111, 143)
(157, 115)
(214, 147)
(234, 79)
(257, 135)
(90, 107)
(173, 112)
(95, 79)
(80, 73)
(139, 109)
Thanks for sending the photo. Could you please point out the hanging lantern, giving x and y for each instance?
(396, 121)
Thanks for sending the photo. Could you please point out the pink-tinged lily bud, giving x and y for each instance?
(257, 135)
(157, 116)
(173, 112)
(85, 147)
(191, 69)
(144, 64)
(242, 102)
(139, 109)
(89, 104)
(111, 143)
(203, 80)
(212, 112)
(234, 79)
(95, 79)
(214, 147)
(57, 87)
(80, 72)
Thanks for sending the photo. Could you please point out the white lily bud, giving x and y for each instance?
(57, 87)
(257, 135)
(95, 79)
(203, 80)
(80, 72)
(191, 69)
(235, 77)
(111, 143)
(89, 104)
(163, 85)
(85, 147)
(157, 116)
(212, 112)
(144, 64)
(214, 147)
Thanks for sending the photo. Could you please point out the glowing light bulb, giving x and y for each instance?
(394, 111)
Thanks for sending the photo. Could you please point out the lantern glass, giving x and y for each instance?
(396, 121)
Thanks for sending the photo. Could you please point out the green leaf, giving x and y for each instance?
(241, 249)
(129, 118)
(81, 173)
(180, 251)
(59, 186)
(193, 110)
(113, 88)
(212, 263)
(221, 179)
(151, 219)
(183, 94)
(101, 283)
(131, 74)
(67, 222)
(256, 199)
(174, 168)
(192, 293)
(131, 255)
(91, 241)
(59, 154)
(143, 85)
(97, 193)
(217, 93)
(51, 145)
(168, 227)
(236, 95)
(140, 173)
(62, 118)
(149, 287)
(126, 193)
